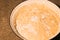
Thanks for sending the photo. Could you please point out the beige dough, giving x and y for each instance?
(36, 20)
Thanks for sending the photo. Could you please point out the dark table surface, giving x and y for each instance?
(6, 7)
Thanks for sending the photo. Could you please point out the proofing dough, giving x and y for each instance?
(36, 20)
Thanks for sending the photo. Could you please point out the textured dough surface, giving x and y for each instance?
(37, 22)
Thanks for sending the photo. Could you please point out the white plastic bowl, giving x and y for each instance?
(14, 14)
